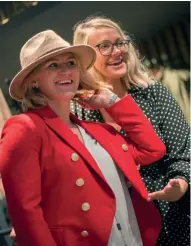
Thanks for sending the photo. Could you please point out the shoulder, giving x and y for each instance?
(153, 87)
(19, 139)
(155, 92)
(23, 124)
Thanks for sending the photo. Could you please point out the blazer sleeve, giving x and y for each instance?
(147, 146)
(21, 174)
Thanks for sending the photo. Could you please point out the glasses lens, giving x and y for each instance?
(105, 48)
(122, 45)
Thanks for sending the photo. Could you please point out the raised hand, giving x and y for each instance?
(172, 192)
(98, 99)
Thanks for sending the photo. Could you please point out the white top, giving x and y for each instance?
(129, 235)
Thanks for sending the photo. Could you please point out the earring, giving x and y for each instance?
(36, 88)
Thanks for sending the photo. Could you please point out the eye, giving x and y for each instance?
(120, 43)
(54, 64)
(105, 46)
(71, 63)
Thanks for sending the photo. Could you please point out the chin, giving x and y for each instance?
(69, 95)
(117, 74)
(65, 96)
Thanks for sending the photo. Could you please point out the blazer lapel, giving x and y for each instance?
(57, 125)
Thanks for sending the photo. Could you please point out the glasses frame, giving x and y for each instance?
(113, 44)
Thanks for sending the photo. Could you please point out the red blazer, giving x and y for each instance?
(41, 160)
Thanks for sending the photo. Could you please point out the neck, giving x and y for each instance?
(118, 87)
(62, 109)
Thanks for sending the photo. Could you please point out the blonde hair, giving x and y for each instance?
(33, 98)
(136, 72)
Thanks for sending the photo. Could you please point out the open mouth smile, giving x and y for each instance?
(64, 82)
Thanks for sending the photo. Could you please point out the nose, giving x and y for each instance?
(64, 69)
(116, 51)
(65, 72)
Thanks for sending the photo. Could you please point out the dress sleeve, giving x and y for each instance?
(175, 131)
(20, 148)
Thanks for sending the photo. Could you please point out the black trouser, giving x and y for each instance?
(5, 226)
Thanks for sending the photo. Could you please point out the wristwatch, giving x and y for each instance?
(112, 100)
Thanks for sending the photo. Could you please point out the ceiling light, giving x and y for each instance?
(34, 3)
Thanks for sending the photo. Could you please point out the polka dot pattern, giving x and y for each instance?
(168, 121)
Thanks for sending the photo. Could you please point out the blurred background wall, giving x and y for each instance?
(161, 31)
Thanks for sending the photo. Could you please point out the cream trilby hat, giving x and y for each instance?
(40, 48)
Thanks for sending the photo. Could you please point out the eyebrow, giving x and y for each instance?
(56, 60)
(105, 41)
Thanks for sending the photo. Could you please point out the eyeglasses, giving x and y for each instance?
(106, 47)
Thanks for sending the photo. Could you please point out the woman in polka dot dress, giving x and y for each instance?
(118, 67)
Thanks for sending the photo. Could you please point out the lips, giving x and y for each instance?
(117, 62)
(64, 82)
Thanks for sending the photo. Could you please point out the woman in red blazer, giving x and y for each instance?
(56, 192)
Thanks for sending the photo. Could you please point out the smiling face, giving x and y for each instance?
(111, 66)
(58, 78)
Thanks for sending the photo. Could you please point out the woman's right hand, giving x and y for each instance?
(98, 99)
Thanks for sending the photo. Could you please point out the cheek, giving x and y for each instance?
(100, 63)
(45, 82)
(77, 76)
(43, 79)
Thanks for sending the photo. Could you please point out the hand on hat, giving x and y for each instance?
(96, 99)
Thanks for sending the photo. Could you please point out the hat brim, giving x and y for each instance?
(85, 53)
